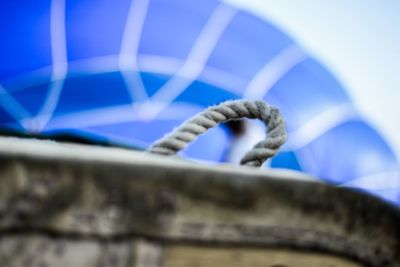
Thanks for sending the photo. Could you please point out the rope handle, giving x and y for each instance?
(188, 131)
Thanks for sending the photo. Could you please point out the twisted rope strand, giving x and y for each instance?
(188, 131)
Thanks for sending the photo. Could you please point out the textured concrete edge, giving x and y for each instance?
(11, 146)
(240, 206)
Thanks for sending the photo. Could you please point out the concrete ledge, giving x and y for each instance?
(51, 191)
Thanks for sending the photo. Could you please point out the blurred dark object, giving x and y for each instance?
(237, 127)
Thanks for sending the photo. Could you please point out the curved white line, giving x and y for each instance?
(60, 64)
(94, 65)
(274, 70)
(118, 114)
(129, 50)
(376, 181)
(196, 60)
(14, 108)
(58, 39)
(319, 125)
(28, 79)
(148, 63)
(210, 75)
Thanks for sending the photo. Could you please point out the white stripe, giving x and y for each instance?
(196, 59)
(81, 67)
(13, 107)
(60, 63)
(223, 80)
(274, 70)
(119, 114)
(129, 49)
(58, 39)
(210, 75)
(159, 64)
(148, 63)
(319, 125)
(132, 33)
(94, 65)
(27, 79)
(376, 181)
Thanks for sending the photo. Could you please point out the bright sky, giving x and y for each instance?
(358, 40)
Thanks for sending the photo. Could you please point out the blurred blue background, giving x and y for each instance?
(129, 71)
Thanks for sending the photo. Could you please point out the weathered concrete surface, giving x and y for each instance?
(113, 207)
(185, 256)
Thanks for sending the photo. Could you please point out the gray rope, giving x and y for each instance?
(188, 131)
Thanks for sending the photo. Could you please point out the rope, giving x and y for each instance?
(188, 131)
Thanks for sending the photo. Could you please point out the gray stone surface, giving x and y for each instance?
(74, 205)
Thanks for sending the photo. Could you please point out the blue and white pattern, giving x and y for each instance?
(131, 70)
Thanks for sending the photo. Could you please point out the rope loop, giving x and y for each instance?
(188, 131)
